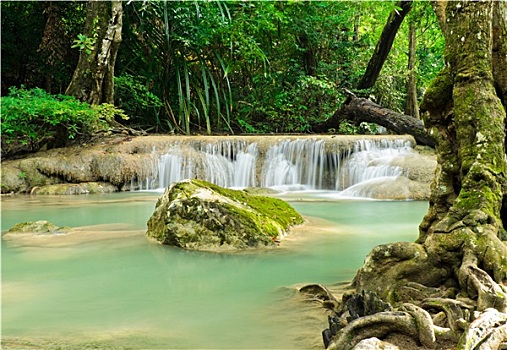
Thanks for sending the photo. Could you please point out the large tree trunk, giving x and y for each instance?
(449, 286)
(384, 45)
(92, 80)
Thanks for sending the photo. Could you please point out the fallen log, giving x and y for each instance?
(358, 110)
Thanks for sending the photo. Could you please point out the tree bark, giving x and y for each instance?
(384, 45)
(357, 23)
(363, 110)
(93, 78)
(500, 51)
(309, 56)
(412, 105)
(439, 8)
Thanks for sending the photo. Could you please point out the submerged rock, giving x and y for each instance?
(41, 227)
(81, 188)
(195, 214)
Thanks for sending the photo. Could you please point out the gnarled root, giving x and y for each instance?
(487, 331)
(424, 324)
(321, 294)
(457, 312)
(378, 325)
(364, 315)
(478, 283)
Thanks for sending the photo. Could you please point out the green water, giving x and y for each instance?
(128, 292)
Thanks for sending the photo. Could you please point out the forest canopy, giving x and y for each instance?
(221, 66)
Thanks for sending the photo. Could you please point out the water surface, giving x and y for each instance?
(127, 292)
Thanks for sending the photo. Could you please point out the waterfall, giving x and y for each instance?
(370, 161)
(294, 163)
(304, 163)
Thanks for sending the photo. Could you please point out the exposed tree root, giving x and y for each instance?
(479, 284)
(424, 324)
(486, 332)
(435, 305)
(473, 329)
(378, 325)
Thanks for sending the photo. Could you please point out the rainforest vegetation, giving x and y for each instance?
(195, 67)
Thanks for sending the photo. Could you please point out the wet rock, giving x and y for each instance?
(197, 215)
(41, 227)
(82, 188)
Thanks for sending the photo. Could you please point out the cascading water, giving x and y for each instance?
(370, 165)
(294, 163)
(287, 164)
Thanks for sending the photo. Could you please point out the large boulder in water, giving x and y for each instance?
(195, 214)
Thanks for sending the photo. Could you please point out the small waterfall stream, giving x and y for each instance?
(287, 164)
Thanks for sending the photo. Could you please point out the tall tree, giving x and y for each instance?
(459, 263)
(411, 105)
(55, 41)
(92, 80)
(384, 44)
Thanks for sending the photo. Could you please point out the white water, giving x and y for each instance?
(289, 165)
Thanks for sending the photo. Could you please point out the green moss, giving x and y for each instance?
(275, 208)
(38, 227)
(439, 93)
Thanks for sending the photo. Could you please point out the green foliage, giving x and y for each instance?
(290, 109)
(134, 97)
(33, 116)
(390, 88)
(222, 66)
(347, 128)
(84, 43)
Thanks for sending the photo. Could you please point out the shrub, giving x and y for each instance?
(136, 100)
(34, 117)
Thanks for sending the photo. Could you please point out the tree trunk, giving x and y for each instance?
(500, 51)
(54, 43)
(411, 105)
(457, 269)
(357, 23)
(309, 56)
(92, 80)
(360, 110)
(384, 45)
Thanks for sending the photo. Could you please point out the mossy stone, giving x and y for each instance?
(196, 214)
(38, 227)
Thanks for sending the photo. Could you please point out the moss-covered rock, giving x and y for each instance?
(81, 188)
(41, 227)
(198, 215)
